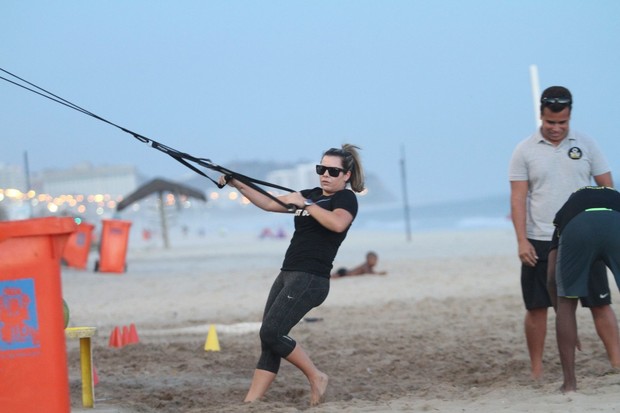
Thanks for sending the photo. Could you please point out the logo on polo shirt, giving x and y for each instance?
(575, 153)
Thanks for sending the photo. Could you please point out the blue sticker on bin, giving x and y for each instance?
(117, 231)
(19, 325)
(80, 239)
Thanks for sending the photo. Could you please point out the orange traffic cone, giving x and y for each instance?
(125, 337)
(115, 338)
(133, 334)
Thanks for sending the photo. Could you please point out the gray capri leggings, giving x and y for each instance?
(292, 295)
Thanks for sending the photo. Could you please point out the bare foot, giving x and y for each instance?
(567, 388)
(537, 374)
(317, 389)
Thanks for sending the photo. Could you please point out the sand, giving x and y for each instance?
(442, 332)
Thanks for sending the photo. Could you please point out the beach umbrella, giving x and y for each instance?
(160, 186)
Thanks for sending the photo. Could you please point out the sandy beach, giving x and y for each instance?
(442, 332)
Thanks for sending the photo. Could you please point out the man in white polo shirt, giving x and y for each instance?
(545, 170)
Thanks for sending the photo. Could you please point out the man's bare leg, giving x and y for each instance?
(566, 332)
(318, 380)
(261, 381)
(607, 329)
(535, 331)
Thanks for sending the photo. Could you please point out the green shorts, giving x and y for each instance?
(534, 282)
(589, 238)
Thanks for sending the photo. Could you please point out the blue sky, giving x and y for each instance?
(448, 81)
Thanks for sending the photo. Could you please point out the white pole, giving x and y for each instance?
(535, 93)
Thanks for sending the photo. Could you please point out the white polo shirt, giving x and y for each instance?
(553, 174)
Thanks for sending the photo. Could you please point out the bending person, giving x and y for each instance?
(587, 232)
(322, 219)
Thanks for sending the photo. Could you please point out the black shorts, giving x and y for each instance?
(534, 282)
(590, 237)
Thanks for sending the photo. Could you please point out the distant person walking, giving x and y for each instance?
(322, 220)
(544, 170)
(587, 231)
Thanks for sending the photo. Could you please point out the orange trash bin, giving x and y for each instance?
(113, 246)
(33, 357)
(78, 246)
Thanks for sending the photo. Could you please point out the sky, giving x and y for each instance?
(443, 84)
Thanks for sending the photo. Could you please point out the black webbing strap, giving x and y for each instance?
(182, 157)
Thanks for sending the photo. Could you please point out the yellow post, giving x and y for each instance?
(86, 361)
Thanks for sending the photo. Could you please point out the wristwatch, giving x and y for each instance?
(308, 202)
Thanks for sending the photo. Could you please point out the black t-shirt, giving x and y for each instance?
(314, 247)
(588, 197)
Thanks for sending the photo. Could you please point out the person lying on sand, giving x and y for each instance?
(365, 268)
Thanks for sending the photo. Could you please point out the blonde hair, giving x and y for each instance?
(350, 162)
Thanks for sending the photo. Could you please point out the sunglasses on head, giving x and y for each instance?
(554, 101)
(333, 171)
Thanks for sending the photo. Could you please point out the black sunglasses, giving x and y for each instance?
(554, 101)
(333, 171)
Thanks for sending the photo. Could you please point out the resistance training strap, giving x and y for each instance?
(184, 158)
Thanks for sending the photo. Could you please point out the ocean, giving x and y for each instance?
(212, 221)
(488, 212)
(482, 213)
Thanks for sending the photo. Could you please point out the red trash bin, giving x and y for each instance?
(78, 246)
(113, 247)
(33, 357)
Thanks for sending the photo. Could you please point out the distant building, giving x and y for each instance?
(118, 180)
(304, 176)
(289, 175)
(300, 177)
(12, 176)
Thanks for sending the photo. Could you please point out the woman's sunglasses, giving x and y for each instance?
(556, 101)
(333, 171)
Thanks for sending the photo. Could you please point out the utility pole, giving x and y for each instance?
(27, 177)
(403, 175)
